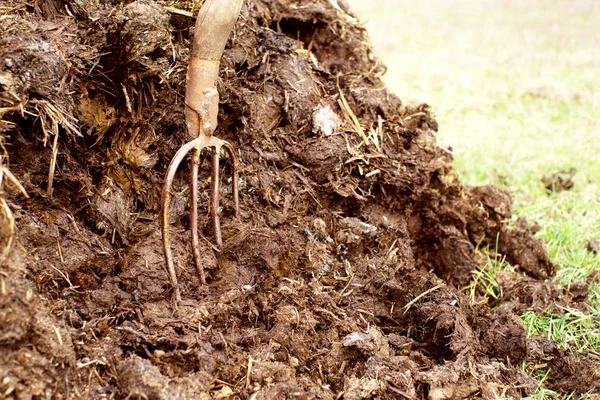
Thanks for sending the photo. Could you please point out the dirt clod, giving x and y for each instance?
(559, 181)
(593, 245)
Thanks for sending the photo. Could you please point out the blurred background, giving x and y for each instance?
(515, 87)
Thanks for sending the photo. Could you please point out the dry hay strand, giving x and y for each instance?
(52, 116)
(7, 220)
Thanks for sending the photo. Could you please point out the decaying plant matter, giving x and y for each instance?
(342, 277)
(213, 26)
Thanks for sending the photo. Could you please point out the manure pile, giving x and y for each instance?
(345, 274)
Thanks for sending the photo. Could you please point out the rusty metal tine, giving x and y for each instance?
(194, 215)
(215, 178)
(214, 23)
(166, 214)
(196, 146)
(215, 199)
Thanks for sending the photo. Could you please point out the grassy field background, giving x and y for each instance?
(515, 87)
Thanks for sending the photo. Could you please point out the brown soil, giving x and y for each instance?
(559, 181)
(343, 278)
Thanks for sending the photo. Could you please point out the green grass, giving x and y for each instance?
(542, 392)
(515, 88)
(573, 329)
(545, 393)
(484, 281)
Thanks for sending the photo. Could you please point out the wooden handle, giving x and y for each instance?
(214, 24)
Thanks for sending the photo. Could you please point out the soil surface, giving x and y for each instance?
(347, 272)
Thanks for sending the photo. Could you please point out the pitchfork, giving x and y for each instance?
(214, 23)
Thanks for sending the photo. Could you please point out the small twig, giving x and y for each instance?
(11, 228)
(225, 344)
(222, 382)
(419, 297)
(83, 365)
(360, 310)
(345, 287)
(174, 10)
(62, 260)
(351, 116)
(380, 130)
(52, 165)
(73, 222)
(127, 101)
(98, 377)
(4, 110)
(13, 180)
(65, 276)
(54, 115)
(249, 372)
(60, 341)
(319, 309)
(398, 391)
(134, 332)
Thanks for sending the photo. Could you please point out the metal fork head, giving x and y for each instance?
(214, 23)
(196, 146)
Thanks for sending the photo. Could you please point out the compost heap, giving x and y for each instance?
(347, 274)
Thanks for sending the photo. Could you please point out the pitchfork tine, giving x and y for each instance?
(166, 213)
(196, 146)
(214, 23)
(214, 212)
(215, 179)
(194, 216)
